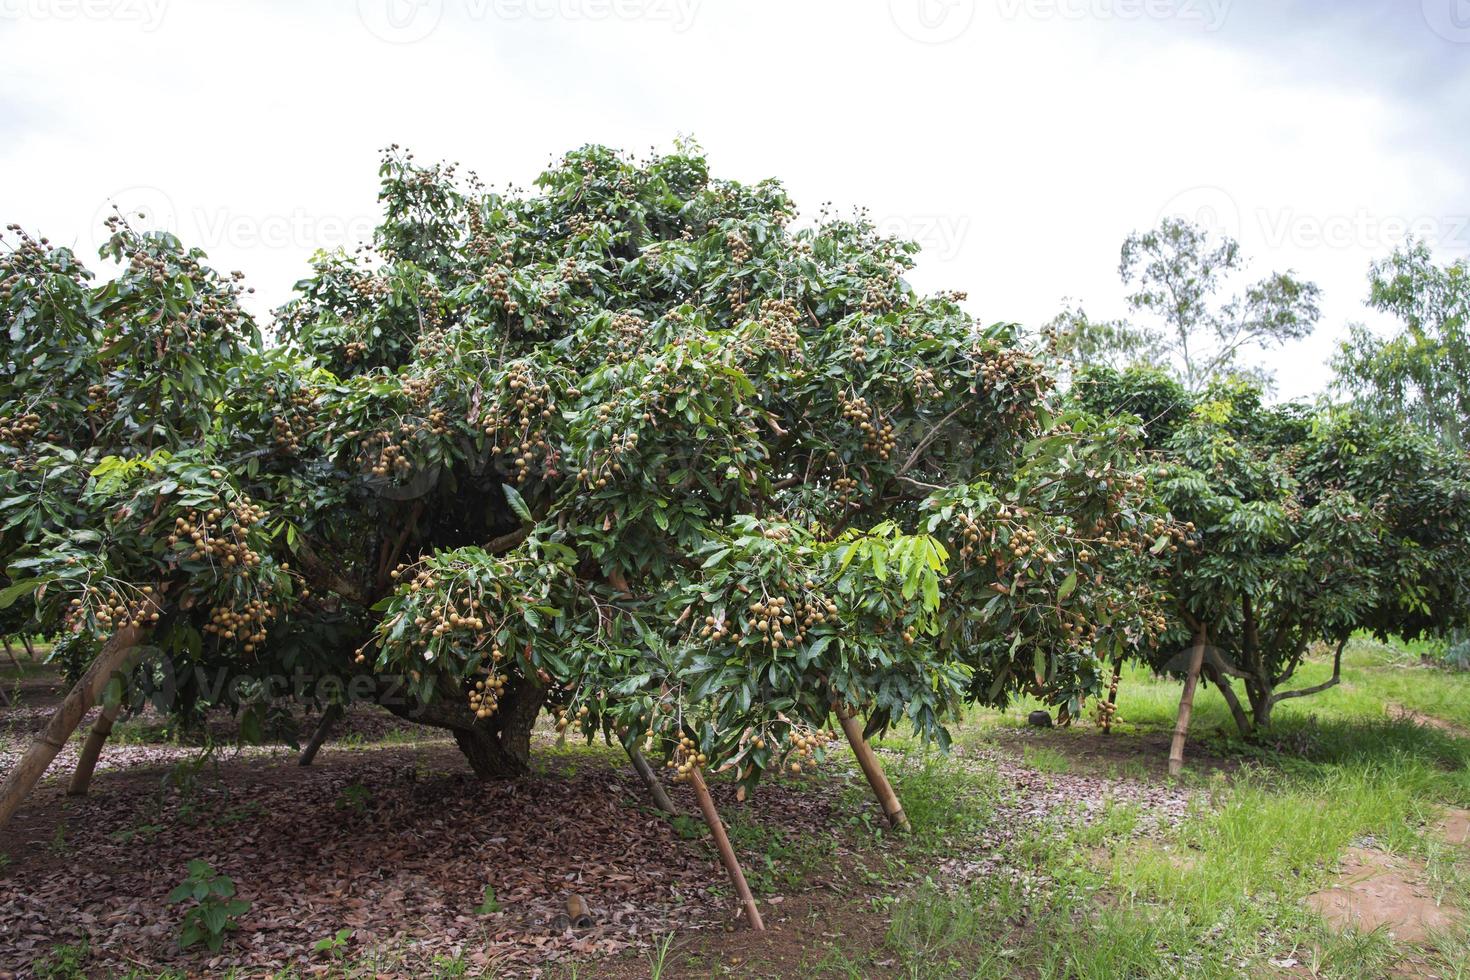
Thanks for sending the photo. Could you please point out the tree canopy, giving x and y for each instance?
(635, 446)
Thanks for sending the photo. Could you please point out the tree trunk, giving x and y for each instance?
(87, 691)
(81, 778)
(1242, 720)
(330, 716)
(727, 853)
(30, 647)
(1112, 702)
(9, 652)
(650, 779)
(1186, 705)
(873, 769)
(498, 747)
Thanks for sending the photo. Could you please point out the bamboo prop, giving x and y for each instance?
(1186, 705)
(81, 777)
(727, 853)
(87, 692)
(1107, 722)
(651, 780)
(873, 769)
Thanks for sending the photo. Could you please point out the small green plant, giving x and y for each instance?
(334, 945)
(64, 963)
(58, 840)
(214, 906)
(687, 827)
(1045, 759)
(658, 957)
(355, 797)
(127, 835)
(488, 904)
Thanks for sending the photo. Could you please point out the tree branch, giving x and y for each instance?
(1318, 689)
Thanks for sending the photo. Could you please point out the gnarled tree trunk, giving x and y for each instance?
(498, 747)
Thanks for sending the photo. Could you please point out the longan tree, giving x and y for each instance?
(635, 447)
(1311, 525)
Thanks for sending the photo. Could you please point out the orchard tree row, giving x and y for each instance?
(639, 449)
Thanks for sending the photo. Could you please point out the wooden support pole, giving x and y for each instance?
(1186, 704)
(1107, 724)
(873, 769)
(727, 853)
(87, 692)
(330, 716)
(30, 647)
(651, 780)
(81, 777)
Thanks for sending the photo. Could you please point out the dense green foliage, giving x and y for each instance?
(634, 447)
(1313, 524)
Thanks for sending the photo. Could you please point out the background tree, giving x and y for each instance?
(1422, 373)
(1312, 525)
(1178, 275)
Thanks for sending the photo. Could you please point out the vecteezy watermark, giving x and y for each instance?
(1210, 207)
(1450, 19)
(932, 21)
(1215, 210)
(1362, 229)
(941, 236)
(151, 209)
(408, 21)
(147, 14)
(1209, 14)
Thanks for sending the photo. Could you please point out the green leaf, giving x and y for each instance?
(517, 503)
(9, 596)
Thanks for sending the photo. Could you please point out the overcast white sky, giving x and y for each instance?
(1019, 140)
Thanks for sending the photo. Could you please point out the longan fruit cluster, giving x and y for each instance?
(20, 429)
(484, 697)
(247, 624)
(628, 333)
(497, 282)
(597, 476)
(29, 260)
(525, 412)
(804, 744)
(861, 342)
(390, 449)
(581, 721)
(846, 489)
(686, 759)
(203, 535)
(111, 609)
(877, 438)
(780, 318)
(354, 351)
(739, 250)
(770, 618)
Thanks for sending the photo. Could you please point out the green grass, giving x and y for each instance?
(1222, 894)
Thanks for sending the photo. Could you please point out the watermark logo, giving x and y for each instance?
(408, 21)
(400, 21)
(147, 14)
(932, 21)
(1208, 14)
(151, 209)
(941, 236)
(1210, 207)
(1450, 19)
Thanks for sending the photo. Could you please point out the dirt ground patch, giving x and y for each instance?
(1405, 713)
(1378, 890)
(1454, 826)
